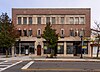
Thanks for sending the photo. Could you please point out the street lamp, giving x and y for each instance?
(81, 45)
(19, 47)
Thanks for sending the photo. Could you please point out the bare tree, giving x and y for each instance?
(96, 32)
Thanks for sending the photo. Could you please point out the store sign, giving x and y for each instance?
(84, 47)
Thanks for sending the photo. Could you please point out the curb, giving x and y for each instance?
(53, 59)
(69, 60)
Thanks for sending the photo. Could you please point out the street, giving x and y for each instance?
(44, 66)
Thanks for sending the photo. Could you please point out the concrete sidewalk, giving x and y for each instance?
(40, 58)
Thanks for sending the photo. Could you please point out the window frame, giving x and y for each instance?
(24, 32)
(53, 20)
(19, 21)
(24, 20)
(76, 20)
(30, 20)
(47, 20)
(62, 33)
(30, 32)
(38, 20)
(71, 20)
(72, 32)
(82, 20)
(62, 20)
(38, 32)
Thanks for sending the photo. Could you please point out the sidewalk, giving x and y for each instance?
(42, 58)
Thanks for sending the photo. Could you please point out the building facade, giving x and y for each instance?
(70, 23)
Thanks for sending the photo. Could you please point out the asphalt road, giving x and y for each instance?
(40, 66)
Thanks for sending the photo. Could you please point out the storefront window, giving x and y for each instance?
(32, 50)
(60, 48)
(69, 48)
(46, 49)
(85, 48)
(25, 45)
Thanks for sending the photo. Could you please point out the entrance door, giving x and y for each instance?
(39, 50)
(76, 49)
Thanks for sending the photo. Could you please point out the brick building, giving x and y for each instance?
(70, 23)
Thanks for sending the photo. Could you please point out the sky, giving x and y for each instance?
(7, 5)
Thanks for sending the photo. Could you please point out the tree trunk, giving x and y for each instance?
(52, 53)
(6, 53)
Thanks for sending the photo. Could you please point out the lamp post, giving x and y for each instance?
(19, 47)
(81, 45)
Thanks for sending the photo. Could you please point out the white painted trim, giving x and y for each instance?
(38, 30)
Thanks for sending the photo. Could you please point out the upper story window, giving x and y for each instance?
(76, 20)
(53, 20)
(76, 32)
(24, 20)
(82, 32)
(62, 32)
(82, 20)
(71, 32)
(47, 20)
(62, 20)
(38, 20)
(30, 32)
(71, 20)
(39, 33)
(30, 20)
(20, 32)
(25, 32)
(19, 20)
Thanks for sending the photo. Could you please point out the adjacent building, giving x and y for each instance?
(72, 25)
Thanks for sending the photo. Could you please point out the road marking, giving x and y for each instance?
(7, 63)
(4, 65)
(54, 69)
(10, 66)
(3, 62)
(27, 65)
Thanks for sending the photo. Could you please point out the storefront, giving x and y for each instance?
(74, 47)
(68, 48)
(25, 47)
(94, 49)
(63, 48)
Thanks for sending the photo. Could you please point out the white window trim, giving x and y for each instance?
(61, 31)
(38, 30)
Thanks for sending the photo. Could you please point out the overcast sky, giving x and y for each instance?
(7, 5)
